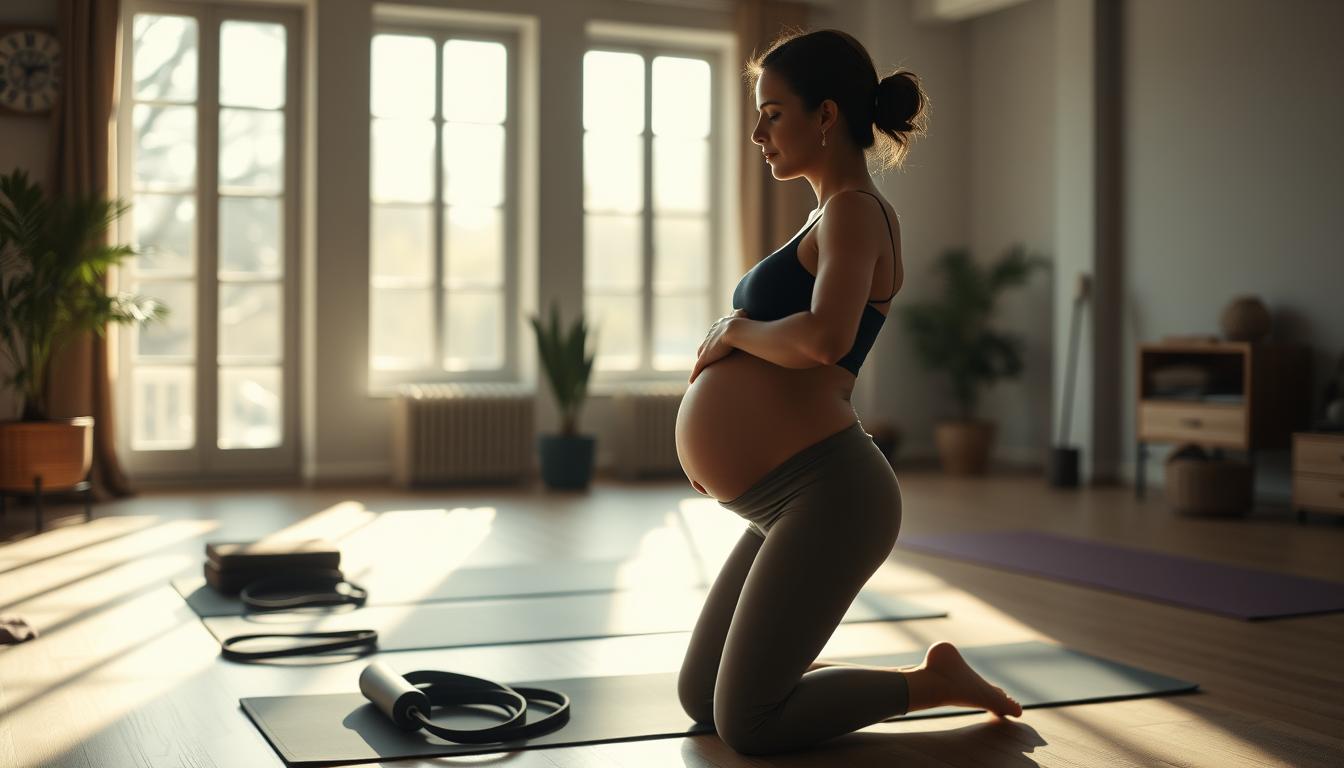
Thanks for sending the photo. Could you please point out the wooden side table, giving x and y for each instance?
(84, 486)
(1253, 397)
(1318, 473)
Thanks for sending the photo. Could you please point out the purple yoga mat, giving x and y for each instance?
(1242, 593)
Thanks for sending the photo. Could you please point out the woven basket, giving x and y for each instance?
(59, 452)
(1208, 487)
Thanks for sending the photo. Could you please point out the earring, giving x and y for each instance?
(823, 138)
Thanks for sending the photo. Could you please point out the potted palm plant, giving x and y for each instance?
(53, 259)
(566, 458)
(952, 334)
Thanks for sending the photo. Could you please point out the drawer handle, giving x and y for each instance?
(1193, 422)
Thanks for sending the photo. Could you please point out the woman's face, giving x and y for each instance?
(789, 137)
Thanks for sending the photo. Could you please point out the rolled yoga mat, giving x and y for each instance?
(331, 728)
(529, 620)
(395, 586)
(1228, 590)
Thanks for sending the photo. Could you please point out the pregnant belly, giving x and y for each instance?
(743, 416)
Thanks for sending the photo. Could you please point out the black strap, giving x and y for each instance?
(302, 588)
(307, 588)
(364, 641)
(452, 689)
(892, 237)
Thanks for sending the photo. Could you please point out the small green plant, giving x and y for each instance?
(53, 259)
(566, 364)
(952, 333)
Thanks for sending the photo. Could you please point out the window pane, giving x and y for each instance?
(165, 234)
(252, 64)
(681, 97)
(613, 92)
(473, 157)
(175, 335)
(165, 147)
(475, 81)
(249, 407)
(250, 321)
(403, 160)
(680, 254)
(613, 173)
(681, 175)
(251, 150)
(164, 63)
(613, 253)
(402, 79)
(475, 256)
(250, 229)
(678, 326)
(402, 323)
(402, 242)
(164, 404)
(475, 331)
(616, 321)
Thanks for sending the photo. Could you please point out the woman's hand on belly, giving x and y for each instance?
(713, 348)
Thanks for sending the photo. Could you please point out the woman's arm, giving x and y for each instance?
(795, 341)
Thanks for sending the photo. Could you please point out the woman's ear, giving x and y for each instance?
(830, 114)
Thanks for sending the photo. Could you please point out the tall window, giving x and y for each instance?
(441, 207)
(650, 223)
(207, 137)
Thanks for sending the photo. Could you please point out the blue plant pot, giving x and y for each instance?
(566, 462)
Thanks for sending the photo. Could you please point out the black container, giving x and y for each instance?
(566, 462)
(1064, 467)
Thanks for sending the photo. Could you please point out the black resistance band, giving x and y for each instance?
(304, 588)
(409, 700)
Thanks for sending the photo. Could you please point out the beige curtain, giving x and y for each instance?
(772, 210)
(81, 155)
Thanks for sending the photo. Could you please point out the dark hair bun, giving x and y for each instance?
(900, 103)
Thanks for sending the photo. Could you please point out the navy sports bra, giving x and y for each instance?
(779, 286)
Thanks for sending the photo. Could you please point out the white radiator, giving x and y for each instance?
(645, 430)
(455, 433)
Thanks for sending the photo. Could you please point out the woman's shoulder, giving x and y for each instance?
(857, 207)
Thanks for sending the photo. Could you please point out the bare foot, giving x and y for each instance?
(945, 678)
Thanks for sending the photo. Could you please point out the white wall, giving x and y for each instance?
(24, 141)
(1233, 169)
(931, 194)
(1012, 166)
(983, 178)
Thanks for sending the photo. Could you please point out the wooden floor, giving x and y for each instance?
(124, 673)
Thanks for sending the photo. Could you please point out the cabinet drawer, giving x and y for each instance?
(1318, 492)
(1324, 455)
(1222, 425)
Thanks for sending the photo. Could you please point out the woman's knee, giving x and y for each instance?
(746, 735)
(697, 697)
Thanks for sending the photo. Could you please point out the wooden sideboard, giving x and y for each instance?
(1239, 396)
(1318, 472)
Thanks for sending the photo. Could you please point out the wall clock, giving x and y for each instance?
(30, 70)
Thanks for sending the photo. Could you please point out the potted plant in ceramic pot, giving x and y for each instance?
(52, 262)
(952, 335)
(566, 458)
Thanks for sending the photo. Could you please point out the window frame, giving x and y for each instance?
(616, 42)
(205, 457)
(383, 380)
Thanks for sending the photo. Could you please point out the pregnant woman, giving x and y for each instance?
(767, 428)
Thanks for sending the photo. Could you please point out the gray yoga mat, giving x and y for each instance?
(1229, 590)
(529, 620)
(393, 586)
(345, 728)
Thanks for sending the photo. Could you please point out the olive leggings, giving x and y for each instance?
(819, 525)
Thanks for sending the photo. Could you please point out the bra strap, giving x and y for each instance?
(892, 237)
